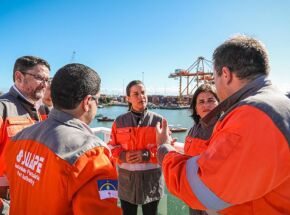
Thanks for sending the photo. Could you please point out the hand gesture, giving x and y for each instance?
(163, 133)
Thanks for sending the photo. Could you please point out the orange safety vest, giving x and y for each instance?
(128, 134)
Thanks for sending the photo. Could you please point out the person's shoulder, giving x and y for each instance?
(82, 144)
(124, 115)
(266, 98)
(6, 102)
(151, 113)
(68, 142)
(6, 97)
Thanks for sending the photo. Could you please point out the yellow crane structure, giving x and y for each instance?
(195, 75)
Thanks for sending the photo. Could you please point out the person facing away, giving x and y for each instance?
(18, 107)
(59, 166)
(133, 145)
(46, 100)
(246, 167)
(204, 100)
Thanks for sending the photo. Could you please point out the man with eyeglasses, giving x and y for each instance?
(18, 107)
(59, 166)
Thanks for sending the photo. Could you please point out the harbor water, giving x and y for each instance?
(174, 117)
(169, 205)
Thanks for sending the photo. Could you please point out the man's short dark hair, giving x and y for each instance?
(71, 84)
(25, 63)
(288, 94)
(244, 56)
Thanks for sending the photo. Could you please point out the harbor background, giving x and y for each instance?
(169, 205)
(174, 117)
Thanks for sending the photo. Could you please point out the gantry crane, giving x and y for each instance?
(196, 73)
(73, 56)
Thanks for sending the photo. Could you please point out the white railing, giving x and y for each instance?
(104, 133)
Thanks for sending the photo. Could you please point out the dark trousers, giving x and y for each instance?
(147, 209)
(196, 212)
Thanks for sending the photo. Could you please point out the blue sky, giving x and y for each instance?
(121, 39)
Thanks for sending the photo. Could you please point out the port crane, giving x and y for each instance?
(195, 75)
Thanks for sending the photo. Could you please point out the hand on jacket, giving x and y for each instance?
(134, 156)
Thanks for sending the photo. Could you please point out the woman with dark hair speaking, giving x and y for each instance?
(133, 145)
(204, 100)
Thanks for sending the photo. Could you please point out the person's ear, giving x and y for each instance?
(86, 103)
(227, 75)
(18, 77)
(128, 99)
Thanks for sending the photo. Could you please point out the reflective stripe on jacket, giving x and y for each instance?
(59, 166)
(246, 168)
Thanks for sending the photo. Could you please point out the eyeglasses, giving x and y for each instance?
(96, 98)
(37, 77)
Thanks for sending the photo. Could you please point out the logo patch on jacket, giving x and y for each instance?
(108, 188)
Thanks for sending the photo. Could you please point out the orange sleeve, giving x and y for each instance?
(1, 134)
(174, 171)
(2, 125)
(247, 157)
(149, 134)
(1, 146)
(194, 146)
(93, 185)
(115, 147)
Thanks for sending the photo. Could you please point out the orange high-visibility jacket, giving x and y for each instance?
(140, 183)
(246, 168)
(16, 113)
(59, 166)
(133, 132)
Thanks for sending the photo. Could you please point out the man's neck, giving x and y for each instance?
(22, 95)
(236, 85)
(76, 113)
